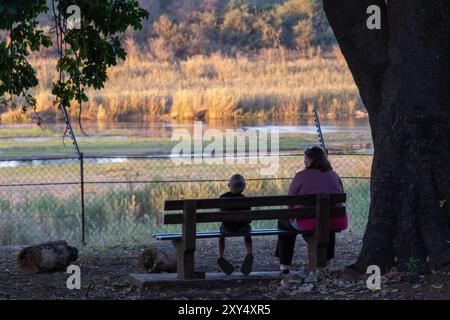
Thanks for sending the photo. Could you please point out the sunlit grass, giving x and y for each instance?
(210, 87)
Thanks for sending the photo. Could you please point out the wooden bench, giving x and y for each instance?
(320, 207)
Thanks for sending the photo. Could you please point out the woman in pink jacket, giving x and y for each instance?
(318, 177)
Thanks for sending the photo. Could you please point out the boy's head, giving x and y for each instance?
(237, 184)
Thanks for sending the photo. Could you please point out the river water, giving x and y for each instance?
(351, 134)
(161, 129)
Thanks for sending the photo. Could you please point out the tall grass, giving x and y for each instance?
(215, 87)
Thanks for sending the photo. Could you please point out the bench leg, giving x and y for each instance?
(321, 256)
(185, 261)
(318, 241)
(317, 254)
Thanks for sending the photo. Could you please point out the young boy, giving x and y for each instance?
(237, 186)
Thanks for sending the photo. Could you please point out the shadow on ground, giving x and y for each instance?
(105, 276)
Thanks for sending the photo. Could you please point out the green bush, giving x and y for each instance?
(240, 27)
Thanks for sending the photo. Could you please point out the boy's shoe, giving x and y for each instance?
(247, 266)
(225, 266)
(284, 270)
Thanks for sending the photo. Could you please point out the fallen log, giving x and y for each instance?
(157, 260)
(47, 257)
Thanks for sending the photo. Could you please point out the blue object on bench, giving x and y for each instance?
(217, 234)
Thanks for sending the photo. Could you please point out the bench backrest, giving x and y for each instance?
(308, 209)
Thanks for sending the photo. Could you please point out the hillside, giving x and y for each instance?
(183, 28)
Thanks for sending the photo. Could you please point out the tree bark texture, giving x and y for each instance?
(402, 73)
(157, 260)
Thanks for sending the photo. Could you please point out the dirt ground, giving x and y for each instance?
(105, 276)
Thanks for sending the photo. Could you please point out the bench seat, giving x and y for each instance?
(217, 234)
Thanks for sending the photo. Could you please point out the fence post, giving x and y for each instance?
(83, 230)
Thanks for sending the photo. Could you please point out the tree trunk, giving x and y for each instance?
(47, 257)
(157, 260)
(402, 75)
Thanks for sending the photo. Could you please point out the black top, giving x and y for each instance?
(235, 225)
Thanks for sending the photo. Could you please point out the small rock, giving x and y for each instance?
(306, 288)
(323, 290)
(313, 277)
(338, 282)
(302, 274)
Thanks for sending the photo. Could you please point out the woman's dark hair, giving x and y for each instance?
(319, 159)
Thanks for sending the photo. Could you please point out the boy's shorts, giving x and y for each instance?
(242, 230)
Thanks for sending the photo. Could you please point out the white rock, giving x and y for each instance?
(313, 277)
(306, 288)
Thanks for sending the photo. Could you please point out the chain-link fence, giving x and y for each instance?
(112, 201)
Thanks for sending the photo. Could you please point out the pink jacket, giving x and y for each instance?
(314, 181)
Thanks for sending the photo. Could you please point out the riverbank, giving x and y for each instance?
(154, 138)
